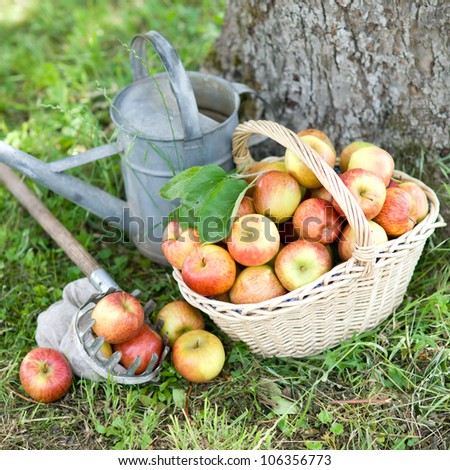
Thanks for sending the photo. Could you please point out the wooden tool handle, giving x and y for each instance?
(48, 221)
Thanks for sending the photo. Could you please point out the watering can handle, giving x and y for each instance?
(179, 80)
(243, 89)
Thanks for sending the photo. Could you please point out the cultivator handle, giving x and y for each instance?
(65, 240)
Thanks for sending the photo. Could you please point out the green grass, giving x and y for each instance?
(59, 59)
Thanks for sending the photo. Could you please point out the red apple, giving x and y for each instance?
(260, 167)
(263, 166)
(393, 183)
(143, 345)
(118, 317)
(346, 243)
(246, 207)
(277, 194)
(256, 284)
(374, 159)
(419, 198)
(347, 152)
(367, 188)
(319, 134)
(198, 356)
(316, 220)
(45, 374)
(300, 171)
(302, 262)
(398, 212)
(177, 243)
(178, 317)
(321, 193)
(209, 270)
(254, 240)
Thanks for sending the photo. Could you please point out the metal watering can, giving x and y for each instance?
(166, 123)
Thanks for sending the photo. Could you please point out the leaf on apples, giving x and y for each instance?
(175, 188)
(209, 200)
(219, 209)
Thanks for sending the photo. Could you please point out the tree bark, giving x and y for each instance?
(358, 70)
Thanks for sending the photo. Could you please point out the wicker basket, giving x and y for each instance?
(353, 297)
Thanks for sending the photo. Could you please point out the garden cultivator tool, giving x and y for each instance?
(67, 325)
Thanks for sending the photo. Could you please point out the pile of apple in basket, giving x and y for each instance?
(272, 227)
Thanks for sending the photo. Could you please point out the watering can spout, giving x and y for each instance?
(51, 175)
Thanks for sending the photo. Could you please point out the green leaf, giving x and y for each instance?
(201, 185)
(218, 209)
(179, 397)
(325, 417)
(337, 428)
(313, 445)
(175, 188)
(186, 216)
(209, 199)
(100, 428)
(145, 400)
(283, 406)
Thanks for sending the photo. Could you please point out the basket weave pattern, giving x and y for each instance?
(353, 297)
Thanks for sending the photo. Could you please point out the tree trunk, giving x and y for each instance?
(358, 70)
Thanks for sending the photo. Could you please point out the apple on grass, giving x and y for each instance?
(398, 213)
(374, 159)
(209, 270)
(302, 262)
(419, 198)
(198, 356)
(178, 243)
(300, 171)
(146, 343)
(118, 317)
(45, 374)
(316, 220)
(277, 194)
(178, 317)
(346, 243)
(367, 188)
(256, 284)
(254, 240)
(347, 152)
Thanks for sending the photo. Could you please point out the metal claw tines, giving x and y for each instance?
(107, 366)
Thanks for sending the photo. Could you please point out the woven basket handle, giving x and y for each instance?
(365, 252)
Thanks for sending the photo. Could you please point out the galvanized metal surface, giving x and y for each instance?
(166, 123)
